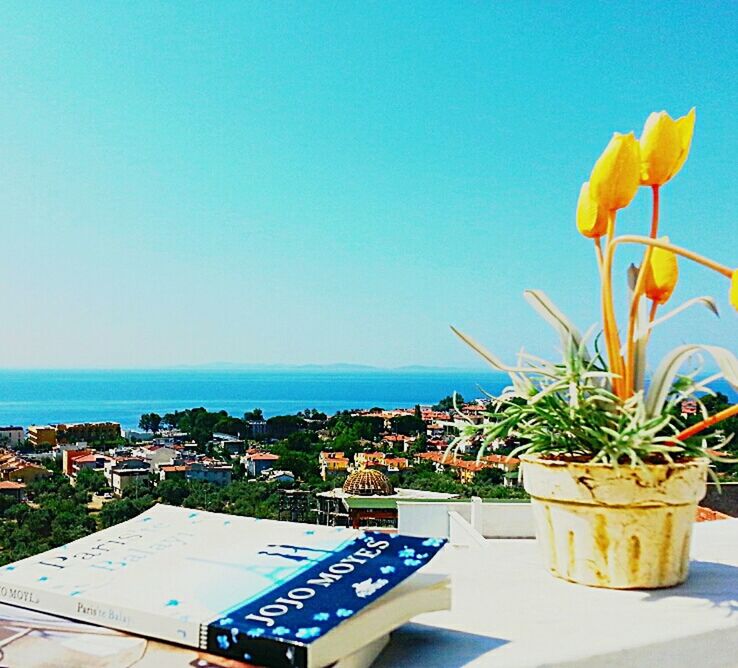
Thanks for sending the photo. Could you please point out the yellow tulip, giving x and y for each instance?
(591, 218)
(662, 273)
(733, 295)
(665, 146)
(616, 175)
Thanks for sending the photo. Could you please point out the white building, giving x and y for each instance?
(137, 435)
(12, 437)
(126, 471)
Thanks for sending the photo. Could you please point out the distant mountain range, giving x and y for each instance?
(335, 367)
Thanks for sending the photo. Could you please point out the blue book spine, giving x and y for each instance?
(277, 628)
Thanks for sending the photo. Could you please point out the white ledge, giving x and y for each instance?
(507, 611)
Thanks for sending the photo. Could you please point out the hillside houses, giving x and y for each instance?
(12, 436)
(332, 462)
(428, 436)
(125, 467)
(465, 470)
(13, 490)
(70, 433)
(380, 459)
(15, 468)
(204, 470)
(257, 462)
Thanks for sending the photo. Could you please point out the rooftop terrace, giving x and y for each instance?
(508, 611)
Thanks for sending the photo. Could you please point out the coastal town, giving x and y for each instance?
(392, 441)
(349, 469)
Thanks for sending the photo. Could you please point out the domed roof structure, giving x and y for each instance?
(368, 482)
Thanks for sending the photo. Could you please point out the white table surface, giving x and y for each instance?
(508, 611)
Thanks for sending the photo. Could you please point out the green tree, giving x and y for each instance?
(138, 489)
(281, 426)
(301, 441)
(173, 492)
(121, 510)
(490, 476)
(407, 425)
(91, 481)
(205, 496)
(255, 415)
(150, 422)
(172, 419)
(155, 422)
(420, 444)
(447, 403)
(145, 422)
(58, 515)
(727, 429)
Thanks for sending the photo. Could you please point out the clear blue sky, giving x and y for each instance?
(185, 183)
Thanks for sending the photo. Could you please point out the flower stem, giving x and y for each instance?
(637, 293)
(652, 313)
(598, 253)
(708, 422)
(608, 312)
(612, 338)
(678, 250)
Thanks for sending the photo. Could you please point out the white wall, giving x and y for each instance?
(490, 520)
(12, 437)
(428, 518)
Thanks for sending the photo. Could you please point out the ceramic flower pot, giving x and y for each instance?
(625, 528)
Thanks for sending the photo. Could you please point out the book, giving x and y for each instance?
(30, 639)
(271, 593)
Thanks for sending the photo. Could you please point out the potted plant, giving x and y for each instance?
(614, 476)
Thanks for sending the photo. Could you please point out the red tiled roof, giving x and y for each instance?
(7, 484)
(467, 465)
(455, 462)
(261, 456)
(708, 515)
(332, 455)
(474, 408)
(435, 415)
(174, 469)
(89, 458)
(502, 459)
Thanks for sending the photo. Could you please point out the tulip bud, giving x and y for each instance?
(591, 218)
(616, 175)
(662, 273)
(733, 294)
(665, 146)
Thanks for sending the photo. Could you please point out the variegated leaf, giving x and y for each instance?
(571, 339)
(707, 302)
(493, 361)
(663, 379)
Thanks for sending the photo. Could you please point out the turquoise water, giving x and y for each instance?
(39, 397)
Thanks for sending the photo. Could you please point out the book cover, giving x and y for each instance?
(253, 590)
(30, 639)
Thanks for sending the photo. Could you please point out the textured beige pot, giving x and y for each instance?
(625, 528)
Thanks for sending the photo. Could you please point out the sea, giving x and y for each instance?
(29, 397)
(37, 396)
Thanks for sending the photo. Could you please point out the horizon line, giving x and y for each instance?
(235, 366)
